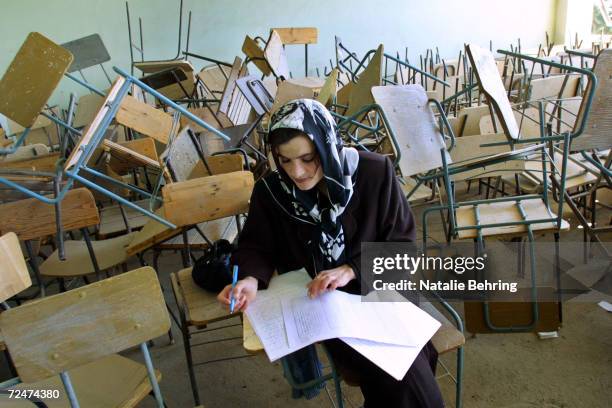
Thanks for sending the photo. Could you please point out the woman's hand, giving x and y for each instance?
(244, 293)
(330, 279)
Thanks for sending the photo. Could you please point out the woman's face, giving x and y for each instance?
(300, 160)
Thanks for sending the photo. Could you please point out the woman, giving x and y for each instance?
(314, 213)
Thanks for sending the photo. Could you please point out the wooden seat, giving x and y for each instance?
(15, 275)
(112, 223)
(201, 307)
(109, 252)
(83, 329)
(408, 184)
(26, 152)
(447, 338)
(577, 175)
(250, 341)
(92, 382)
(213, 77)
(505, 211)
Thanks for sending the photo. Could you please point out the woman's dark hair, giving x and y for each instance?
(282, 135)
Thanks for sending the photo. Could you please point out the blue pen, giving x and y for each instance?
(234, 280)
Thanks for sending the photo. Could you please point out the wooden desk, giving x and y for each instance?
(250, 341)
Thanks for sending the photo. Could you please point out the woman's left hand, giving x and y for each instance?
(330, 279)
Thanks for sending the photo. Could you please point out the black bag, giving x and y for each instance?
(212, 271)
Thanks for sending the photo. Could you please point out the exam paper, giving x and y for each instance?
(396, 359)
(265, 313)
(267, 317)
(338, 314)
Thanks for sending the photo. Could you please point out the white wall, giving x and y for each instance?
(219, 27)
(574, 17)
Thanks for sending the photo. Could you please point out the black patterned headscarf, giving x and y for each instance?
(338, 163)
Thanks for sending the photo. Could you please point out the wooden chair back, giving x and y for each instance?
(182, 156)
(131, 154)
(297, 35)
(233, 104)
(132, 114)
(213, 78)
(57, 333)
(144, 119)
(153, 233)
(328, 92)
(256, 94)
(598, 126)
(174, 83)
(274, 53)
(32, 218)
(553, 87)
(44, 163)
(468, 120)
(87, 107)
(413, 124)
(31, 78)
(88, 51)
(490, 82)
(288, 91)
(151, 67)
(89, 131)
(254, 52)
(218, 164)
(469, 149)
(528, 121)
(207, 198)
(14, 276)
(361, 93)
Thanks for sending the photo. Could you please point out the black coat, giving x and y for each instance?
(377, 212)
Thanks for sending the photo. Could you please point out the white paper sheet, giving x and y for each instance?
(338, 314)
(605, 305)
(396, 359)
(266, 316)
(285, 320)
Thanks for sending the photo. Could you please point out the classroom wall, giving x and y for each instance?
(574, 17)
(219, 27)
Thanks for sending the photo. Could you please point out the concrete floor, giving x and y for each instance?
(501, 370)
